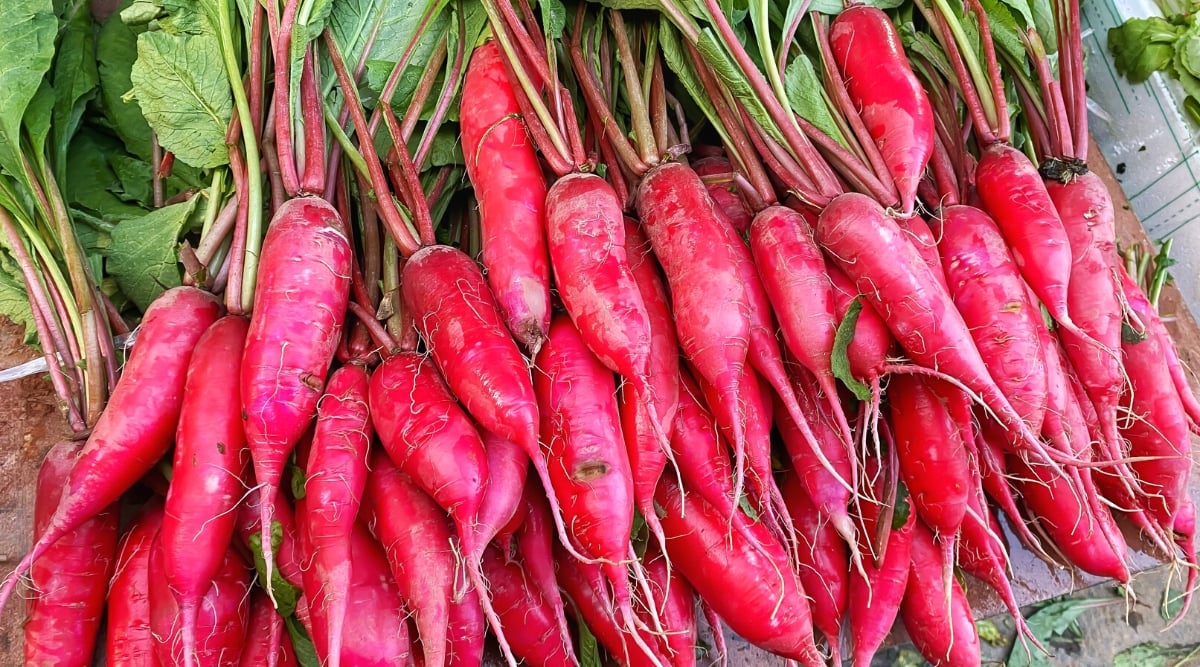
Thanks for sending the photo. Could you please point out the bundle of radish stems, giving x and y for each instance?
(784, 321)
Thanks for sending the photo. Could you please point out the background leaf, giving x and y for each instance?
(144, 254)
(75, 79)
(116, 51)
(181, 87)
(26, 51)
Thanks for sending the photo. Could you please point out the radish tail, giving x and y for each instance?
(275, 641)
(335, 606)
(829, 388)
(474, 565)
(51, 535)
(718, 633)
(189, 609)
(266, 517)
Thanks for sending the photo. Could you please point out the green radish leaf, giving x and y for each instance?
(286, 595)
(807, 96)
(187, 17)
(589, 650)
(298, 479)
(1006, 33)
(26, 53)
(1130, 335)
(140, 12)
(308, 26)
(37, 117)
(136, 179)
(180, 84)
(554, 18)
(1171, 606)
(91, 181)
(680, 62)
(1141, 47)
(14, 301)
(746, 506)
(76, 77)
(731, 75)
(1153, 654)
(841, 345)
(302, 644)
(1043, 21)
(1055, 621)
(144, 257)
(989, 633)
(116, 51)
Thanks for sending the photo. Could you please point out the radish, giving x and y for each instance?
(374, 608)
(747, 580)
(589, 469)
(129, 641)
(823, 566)
(418, 545)
(944, 636)
(522, 608)
(585, 585)
(333, 487)
(647, 454)
(857, 234)
(988, 291)
(500, 511)
(447, 296)
(724, 195)
(875, 597)
(466, 631)
(503, 167)
(256, 651)
(137, 427)
(709, 298)
(678, 609)
(291, 341)
(209, 476)
(893, 106)
(222, 619)
(535, 548)
(69, 583)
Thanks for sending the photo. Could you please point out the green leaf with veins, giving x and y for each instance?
(286, 595)
(1153, 654)
(807, 96)
(75, 79)
(181, 87)
(90, 179)
(140, 12)
(680, 63)
(302, 644)
(731, 75)
(144, 257)
(1141, 47)
(135, 177)
(26, 53)
(116, 51)
(1056, 621)
(37, 117)
(841, 345)
(1006, 33)
(14, 301)
(554, 18)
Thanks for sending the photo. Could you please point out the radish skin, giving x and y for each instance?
(337, 475)
(291, 341)
(526, 614)
(69, 583)
(823, 566)
(944, 637)
(129, 641)
(500, 512)
(210, 472)
(891, 101)
(503, 167)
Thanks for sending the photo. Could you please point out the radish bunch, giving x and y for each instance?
(787, 376)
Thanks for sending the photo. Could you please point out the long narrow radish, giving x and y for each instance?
(724, 196)
(374, 609)
(129, 641)
(70, 581)
(893, 105)
(256, 651)
(137, 426)
(748, 581)
(503, 167)
(711, 304)
(221, 623)
(678, 609)
(991, 296)
(210, 472)
(944, 636)
(535, 546)
(823, 567)
(500, 511)
(292, 340)
(648, 455)
(586, 587)
(525, 611)
(589, 469)
(336, 477)
(418, 544)
(447, 296)
(875, 598)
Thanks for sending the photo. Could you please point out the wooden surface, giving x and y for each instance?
(30, 423)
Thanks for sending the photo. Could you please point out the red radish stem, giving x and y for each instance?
(337, 475)
(419, 549)
(446, 293)
(70, 581)
(129, 641)
(291, 341)
(137, 426)
(502, 165)
(589, 469)
(211, 467)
